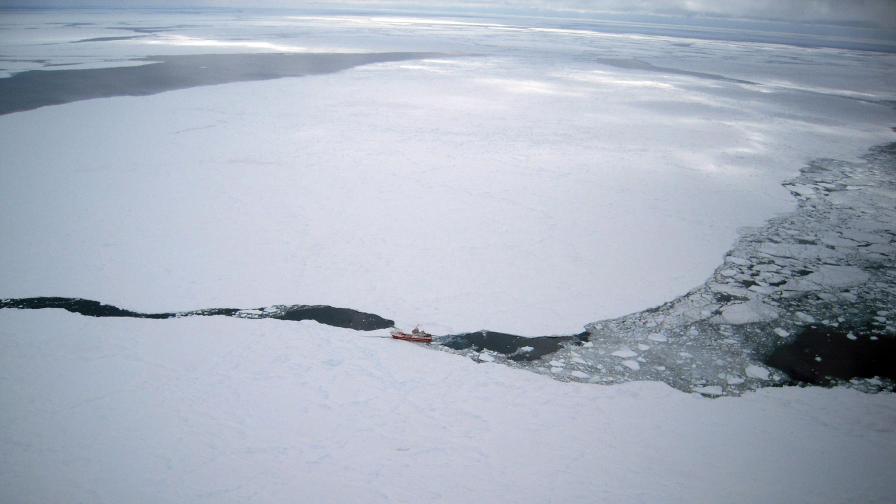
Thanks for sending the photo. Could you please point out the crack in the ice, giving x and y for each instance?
(329, 315)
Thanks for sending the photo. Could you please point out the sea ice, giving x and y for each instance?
(296, 408)
(839, 277)
(633, 365)
(710, 390)
(748, 312)
(757, 372)
(530, 158)
(625, 353)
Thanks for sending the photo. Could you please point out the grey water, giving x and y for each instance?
(38, 88)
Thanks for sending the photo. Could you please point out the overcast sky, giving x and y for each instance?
(880, 13)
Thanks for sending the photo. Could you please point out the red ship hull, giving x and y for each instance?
(412, 338)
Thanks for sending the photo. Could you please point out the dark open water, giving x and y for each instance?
(39, 88)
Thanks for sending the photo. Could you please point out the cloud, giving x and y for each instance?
(873, 12)
(879, 13)
(870, 12)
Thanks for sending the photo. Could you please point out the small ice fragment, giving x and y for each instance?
(851, 336)
(817, 359)
(873, 338)
(557, 364)
(642, 347)
(805, 317)
(734, 380)
(525, 349)
(587, 344)
(837, 276)
(580, 375)
(754, 371)
(801, 190)
(484, 357)
(624, 353)
(748, 312)
(762, 289)
(658, 337)
(633, 365)
(781, 332)
(557, 370)
(710, 390)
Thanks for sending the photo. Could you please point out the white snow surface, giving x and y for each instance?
(530, 188)
(230, 410)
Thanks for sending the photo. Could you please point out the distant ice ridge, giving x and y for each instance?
(831, 263)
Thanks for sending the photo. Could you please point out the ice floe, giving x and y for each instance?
(754, 371)
(720, 334)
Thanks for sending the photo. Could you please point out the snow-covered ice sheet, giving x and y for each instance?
(529, 184)
(533, 180)
(230, 410)
(528, 189)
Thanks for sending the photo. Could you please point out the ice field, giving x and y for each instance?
(694, 199)
(526, 182)
(224, 410)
